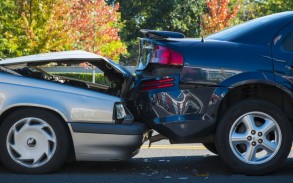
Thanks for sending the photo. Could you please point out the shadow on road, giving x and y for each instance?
(161, 169)
(150, 166)
(189, 165)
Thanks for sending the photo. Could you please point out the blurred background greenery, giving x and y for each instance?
(111, 27)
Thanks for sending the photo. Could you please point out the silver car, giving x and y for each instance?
(45, 119)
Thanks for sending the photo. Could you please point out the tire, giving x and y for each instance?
(33, 141)
(250, 129)
(211, 147)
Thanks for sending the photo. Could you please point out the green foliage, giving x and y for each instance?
(38, 26)
(32, 26)
(182, 16)
(97, 26)
(113, 49)
(12, 37)
(35, 26)
(100, 78)
(251, 9)
(172, 15)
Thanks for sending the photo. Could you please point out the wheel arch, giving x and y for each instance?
(272, 93)
(254, 137)
(10, 109)
(58, 114)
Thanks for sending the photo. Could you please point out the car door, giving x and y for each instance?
(282, 52)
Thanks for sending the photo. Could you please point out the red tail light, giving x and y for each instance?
(157, 84)
(164, 55)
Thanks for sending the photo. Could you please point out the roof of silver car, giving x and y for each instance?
(53, 56)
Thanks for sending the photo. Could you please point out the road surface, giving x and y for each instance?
(161, 163)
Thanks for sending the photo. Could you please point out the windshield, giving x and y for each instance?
(243, 28)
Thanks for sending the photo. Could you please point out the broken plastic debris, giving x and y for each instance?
(183, 178)
(202, 174)
(168, 177)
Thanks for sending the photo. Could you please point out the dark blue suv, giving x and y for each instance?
(231, 91)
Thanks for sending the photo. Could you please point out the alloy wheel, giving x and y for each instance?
(255, 138)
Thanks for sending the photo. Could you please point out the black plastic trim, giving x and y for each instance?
(119, 129)
(161, 34)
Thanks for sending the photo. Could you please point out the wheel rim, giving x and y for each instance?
(255, 138)
(31, 142)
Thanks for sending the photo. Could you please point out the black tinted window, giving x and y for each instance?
(288, 42)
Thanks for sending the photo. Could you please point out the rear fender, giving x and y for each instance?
(220, 93)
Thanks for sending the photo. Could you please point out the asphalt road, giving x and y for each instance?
(161, 163)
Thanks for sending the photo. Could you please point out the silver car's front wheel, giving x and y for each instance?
(33, 141)
(254, 137)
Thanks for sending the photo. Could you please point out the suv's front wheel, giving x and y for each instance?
(254, 137)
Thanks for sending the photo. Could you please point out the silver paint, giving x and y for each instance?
(53, 56)
(66, 100)
(105, 147)
(73, 104)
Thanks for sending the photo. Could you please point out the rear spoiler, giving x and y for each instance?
(161, 34)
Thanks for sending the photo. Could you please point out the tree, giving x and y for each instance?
(46, 25)
(252, 9)
(218, 16)
(12, 37)
(172, 15)
(37, 26)
(96, 26)
(32, 26)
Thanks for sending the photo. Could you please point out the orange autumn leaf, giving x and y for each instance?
(218, 16)
(96, 27)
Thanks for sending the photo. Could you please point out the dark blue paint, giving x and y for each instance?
(249, 53)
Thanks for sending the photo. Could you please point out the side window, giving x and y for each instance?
(288, 42)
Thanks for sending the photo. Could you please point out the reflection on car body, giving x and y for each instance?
(176, 104)
(237, 90)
